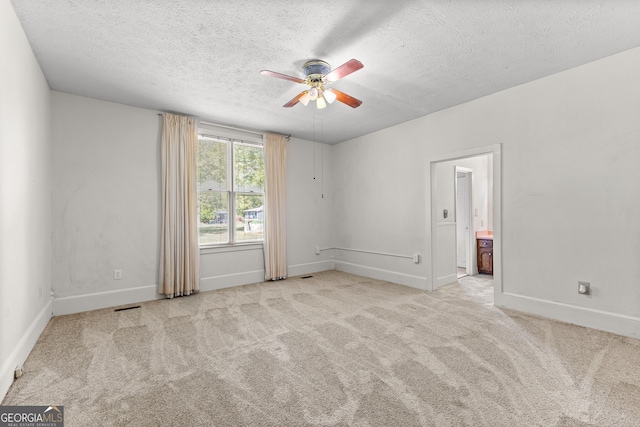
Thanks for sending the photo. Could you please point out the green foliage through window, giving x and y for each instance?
(216, 198)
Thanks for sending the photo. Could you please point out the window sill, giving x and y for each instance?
(238, 247)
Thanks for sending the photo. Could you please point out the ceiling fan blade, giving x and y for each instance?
(295, 100)
(281, 76)
(344, 70)
(346, 99)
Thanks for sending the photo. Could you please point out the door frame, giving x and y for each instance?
(431, 214)
(470, 265)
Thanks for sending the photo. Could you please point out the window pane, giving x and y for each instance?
(212, 165)
(249, 217)
(230, 195)
(249, 168)
(213, 214)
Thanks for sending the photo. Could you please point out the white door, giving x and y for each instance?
(462, 217)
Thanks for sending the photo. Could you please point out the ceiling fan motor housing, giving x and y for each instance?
(315, 70)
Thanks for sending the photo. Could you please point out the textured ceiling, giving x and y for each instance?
(203, 57)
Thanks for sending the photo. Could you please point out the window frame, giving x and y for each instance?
(231, 138)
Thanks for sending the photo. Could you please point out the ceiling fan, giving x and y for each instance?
(317, 74)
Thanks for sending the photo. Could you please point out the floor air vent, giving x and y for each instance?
(127, 308)
(305, 277)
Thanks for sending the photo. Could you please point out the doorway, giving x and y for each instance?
(441, 246)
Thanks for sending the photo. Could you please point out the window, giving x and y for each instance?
(230, 182)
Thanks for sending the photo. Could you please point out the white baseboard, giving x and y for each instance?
(23, 348)
(376, 273)
(228, 280)
(114, 298)
(311, 267)
(445, 280)
(620, 324)
(98, 300)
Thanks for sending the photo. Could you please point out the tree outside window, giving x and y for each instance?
(221, 162)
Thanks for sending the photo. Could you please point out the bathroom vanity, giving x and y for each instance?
(484, 249)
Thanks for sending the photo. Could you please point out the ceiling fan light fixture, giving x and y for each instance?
(329, 96)
(317, 74)
(305, 98)
(320, 102)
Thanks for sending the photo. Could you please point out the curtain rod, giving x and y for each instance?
(234, 128)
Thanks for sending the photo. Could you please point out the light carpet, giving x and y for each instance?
(331, 350)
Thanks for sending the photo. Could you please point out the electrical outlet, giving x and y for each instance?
(584, 288)
(317, 250)
(416, 258)
(117, 274)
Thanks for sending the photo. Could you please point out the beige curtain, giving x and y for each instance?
(179, 251)
(275, 239)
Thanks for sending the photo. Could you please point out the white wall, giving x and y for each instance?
(25, 197)
(379, 204)
(106, 200)
(570, 149)
(310, 220)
